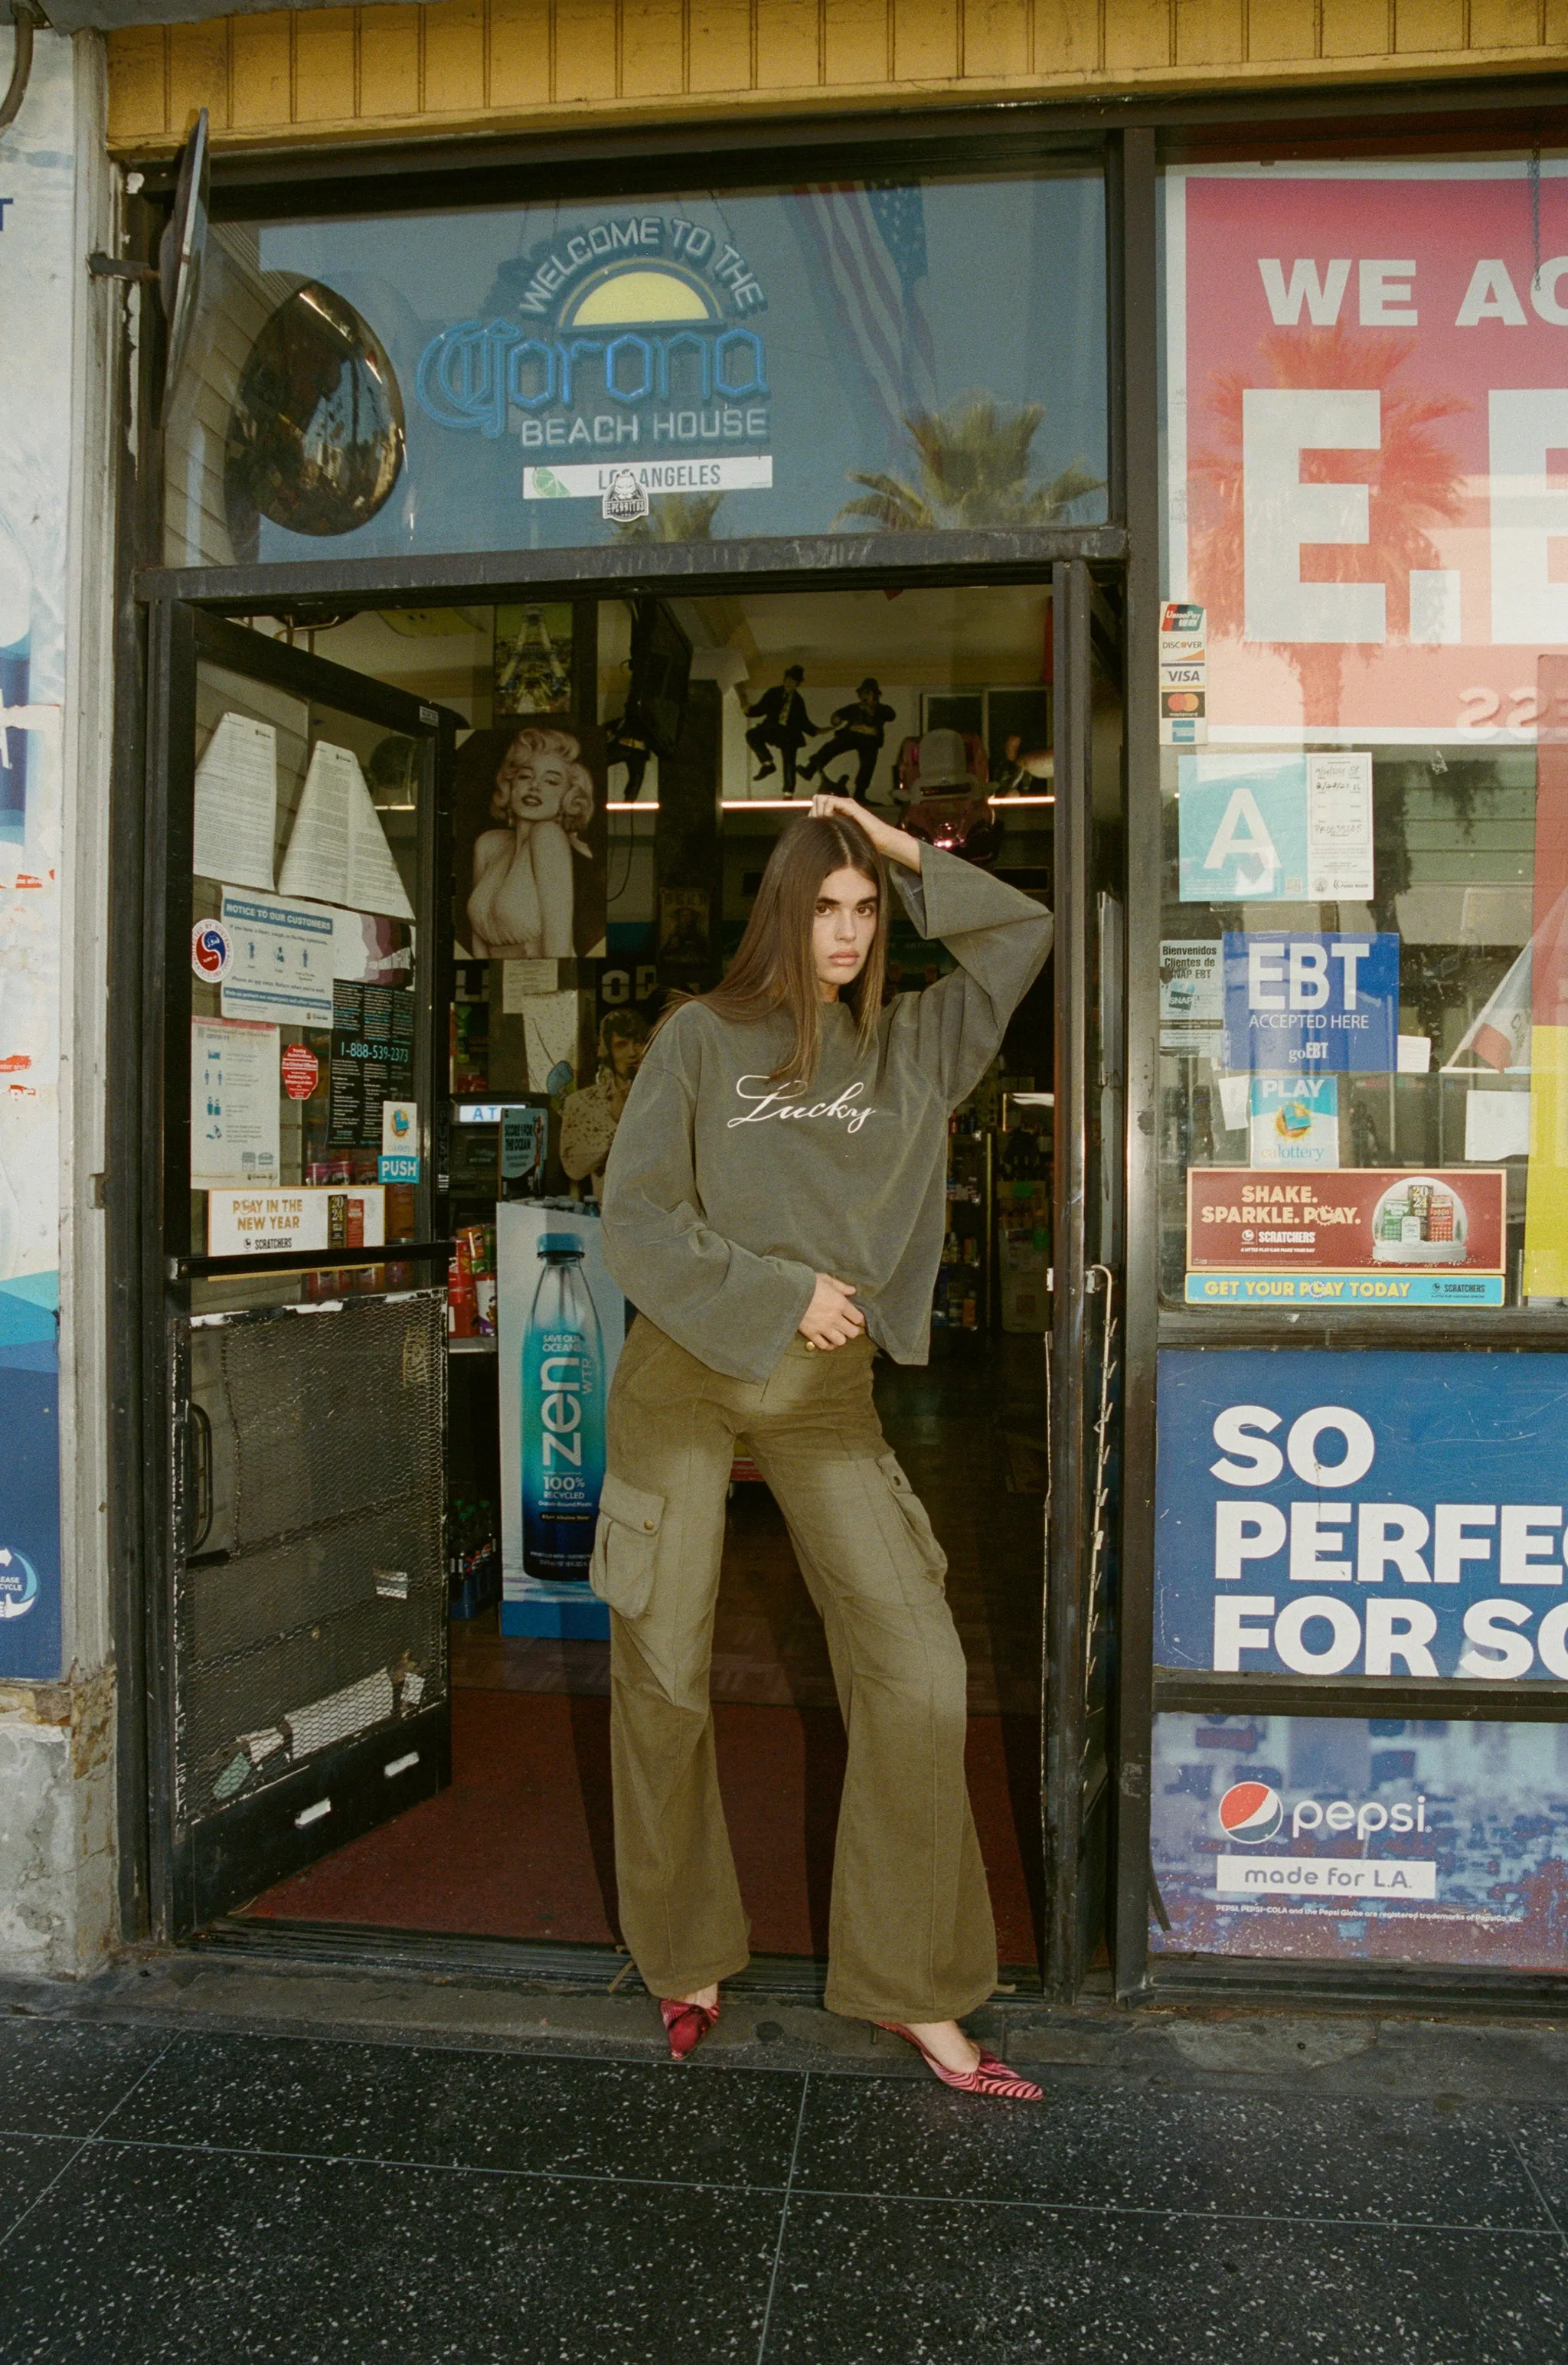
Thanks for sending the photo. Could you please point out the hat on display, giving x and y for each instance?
(943, 765)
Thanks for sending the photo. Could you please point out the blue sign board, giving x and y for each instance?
(1370, 1514)
(398, 1165)
(1329, 1003)
(1349, 1839)
(29, 1500)
(1243, 829)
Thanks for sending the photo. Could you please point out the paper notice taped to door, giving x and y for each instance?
(234, 1102)
(338, 851)
(236, 804)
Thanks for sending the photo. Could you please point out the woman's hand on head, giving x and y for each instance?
(832, 1319)
(896, 844)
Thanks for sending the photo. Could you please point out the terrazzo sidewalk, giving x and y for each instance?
(1240, 2190)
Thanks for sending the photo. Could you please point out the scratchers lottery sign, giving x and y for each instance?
(1369, 399)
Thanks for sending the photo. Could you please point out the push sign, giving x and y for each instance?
(1330, 1002)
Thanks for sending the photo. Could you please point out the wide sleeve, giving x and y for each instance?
(734, 1311)
(1000, 939)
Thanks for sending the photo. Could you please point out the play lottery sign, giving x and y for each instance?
(1329, 1003)
(1275, 829)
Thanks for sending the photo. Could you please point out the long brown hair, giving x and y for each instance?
(773, 971)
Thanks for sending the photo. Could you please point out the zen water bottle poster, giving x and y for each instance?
(41, 282)
(560, 1321)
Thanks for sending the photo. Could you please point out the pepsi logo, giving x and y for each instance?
(1250, 1812)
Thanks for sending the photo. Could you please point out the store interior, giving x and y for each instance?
(677, 726)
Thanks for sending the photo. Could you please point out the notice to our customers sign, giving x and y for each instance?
(1369, 402)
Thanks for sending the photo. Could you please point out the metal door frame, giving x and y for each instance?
(150, 1082)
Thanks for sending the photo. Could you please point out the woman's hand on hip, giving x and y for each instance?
(831, 1319)
(896, 844)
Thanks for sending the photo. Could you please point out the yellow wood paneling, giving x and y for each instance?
(261, 66)
(197, 73)
(1504, 24)
(324, 76)
(1138, 33)
(925, 40)
(1357, 29)
(454, 56)
(520, 52)
(139, 60)
(996, 38)
(585, 49)
(1067, 39)
(651, 39)
(1280, 32)
(855, 41)
(388, 62)
(1213, 33)
(1429, 25)
(720, 46)
(789, 40)
(323, 65)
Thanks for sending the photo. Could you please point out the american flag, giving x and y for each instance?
(864, 244)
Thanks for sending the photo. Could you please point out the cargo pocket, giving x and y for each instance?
(625, 1543)
(932, 1559)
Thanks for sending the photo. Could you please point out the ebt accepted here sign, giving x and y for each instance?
(1325, 1003)
(1397, 1514)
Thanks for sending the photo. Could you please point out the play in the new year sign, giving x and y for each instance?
(1369, 403)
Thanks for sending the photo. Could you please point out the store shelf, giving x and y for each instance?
(470, 1346)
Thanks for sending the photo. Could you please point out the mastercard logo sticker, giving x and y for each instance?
(1250, 1812)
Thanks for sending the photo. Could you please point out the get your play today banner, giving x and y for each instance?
(1366, 1235)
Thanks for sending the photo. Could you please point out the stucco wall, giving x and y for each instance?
(453, 65)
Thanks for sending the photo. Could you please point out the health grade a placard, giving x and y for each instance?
(1327, 1003)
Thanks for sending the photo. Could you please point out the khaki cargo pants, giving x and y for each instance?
(911, 1935)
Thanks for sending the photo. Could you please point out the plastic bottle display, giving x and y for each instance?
(15, 652)
(563, 1415)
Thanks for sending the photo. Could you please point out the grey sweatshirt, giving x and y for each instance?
(726, 1195)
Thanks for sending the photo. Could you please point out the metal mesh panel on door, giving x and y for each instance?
(312, 1606)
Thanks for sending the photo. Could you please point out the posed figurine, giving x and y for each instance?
(588, 1118)
(857, 731)
(523, 895)
(783, 723)
(1019, 775)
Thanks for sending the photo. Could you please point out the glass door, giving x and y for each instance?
(301, 1622)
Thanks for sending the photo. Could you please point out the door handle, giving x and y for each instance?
(199, 1433)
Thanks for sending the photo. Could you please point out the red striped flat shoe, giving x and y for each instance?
(989, 2075)
(685, 2025)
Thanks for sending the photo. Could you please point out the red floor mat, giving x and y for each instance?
(520, 1846)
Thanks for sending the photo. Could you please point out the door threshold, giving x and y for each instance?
(540, 1963)
(509, 1962)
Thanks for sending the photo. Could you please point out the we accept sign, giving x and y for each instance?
(1401, 1515)
(1369, 380)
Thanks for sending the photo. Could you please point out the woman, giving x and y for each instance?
(523, 895)
(775, 1205)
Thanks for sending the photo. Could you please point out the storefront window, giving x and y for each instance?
(1364, 719)
(837, 359)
